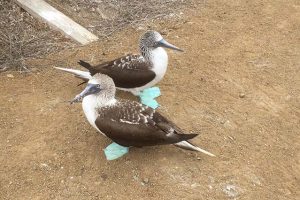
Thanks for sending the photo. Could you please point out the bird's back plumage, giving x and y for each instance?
(130, 123)
(130, 71)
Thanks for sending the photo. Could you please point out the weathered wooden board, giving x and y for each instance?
(58, 20)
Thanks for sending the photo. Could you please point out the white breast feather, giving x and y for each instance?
(89, 105)
(160, 63)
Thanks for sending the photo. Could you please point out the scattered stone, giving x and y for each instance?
(189, 22)
(135, 177)
(10, 75)
(194, 185)
(227, 124)
(231, 190)
(146, 180)
(231, 138)
(141, 28)
(242, 95)
(45, 166)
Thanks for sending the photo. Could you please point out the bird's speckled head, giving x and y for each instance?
(106, 83)
(103, 80)
(152, 40)
(100, 85)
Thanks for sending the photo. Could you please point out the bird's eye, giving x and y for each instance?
(98, 86)
(156, 44)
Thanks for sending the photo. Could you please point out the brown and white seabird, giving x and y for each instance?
(133, 73)
(128, 123)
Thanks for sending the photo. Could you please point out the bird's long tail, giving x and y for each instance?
(189, 146)
(77, 73)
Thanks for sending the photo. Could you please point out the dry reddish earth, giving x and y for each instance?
(237, 84)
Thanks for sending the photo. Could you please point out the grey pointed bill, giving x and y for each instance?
(89, 89)
(164, 43)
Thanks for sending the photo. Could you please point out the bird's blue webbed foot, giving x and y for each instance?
(115, 151)
(147, 97)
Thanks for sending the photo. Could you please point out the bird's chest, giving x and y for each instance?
(89, 104)
(159, 60)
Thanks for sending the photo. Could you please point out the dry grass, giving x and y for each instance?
(22, 37)
(104, 17)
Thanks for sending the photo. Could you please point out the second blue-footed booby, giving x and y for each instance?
(135, 73)
(128, 123)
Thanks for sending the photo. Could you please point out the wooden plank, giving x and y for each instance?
(57, 20)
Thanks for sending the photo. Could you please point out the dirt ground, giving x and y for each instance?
(237, 84)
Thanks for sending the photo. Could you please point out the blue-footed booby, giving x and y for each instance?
(128, 123)
(135, 73)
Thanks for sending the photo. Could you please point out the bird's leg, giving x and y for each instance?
(115, 151)
(147, 97)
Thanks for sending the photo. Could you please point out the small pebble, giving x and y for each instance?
(140, 28)
(231, 190)
(146, 180)
(242, 95)
(135, 177)
(10, 75)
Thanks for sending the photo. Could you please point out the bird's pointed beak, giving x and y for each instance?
(164, 43)
(89, 89)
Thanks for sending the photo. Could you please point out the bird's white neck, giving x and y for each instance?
(159, 60)
(92, 103)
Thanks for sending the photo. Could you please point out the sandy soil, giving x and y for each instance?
(237, 84)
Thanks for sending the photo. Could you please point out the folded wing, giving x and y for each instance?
(132, 124)
(129, 71)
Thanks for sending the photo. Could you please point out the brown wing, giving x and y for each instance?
(132, 124)
(129, 71)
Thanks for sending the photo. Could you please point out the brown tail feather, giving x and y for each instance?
(184, 137)
(88, 66)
